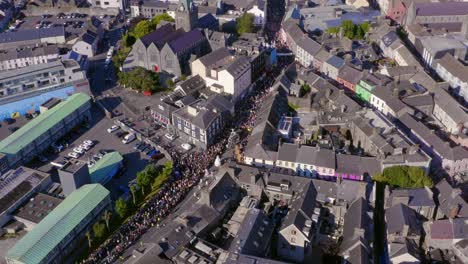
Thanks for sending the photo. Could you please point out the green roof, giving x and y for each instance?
(40, 241)
(105, 168)
(39, 125)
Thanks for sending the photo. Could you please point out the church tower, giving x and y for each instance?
(186, 15)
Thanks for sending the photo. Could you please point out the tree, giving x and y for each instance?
(162, 176)
(128, 40)
(99, 230)
(134, 192)
(183, 77)
(365, 26)
(140, 79)
(143, 28)
(305, 89)
(244, 24)
(404, 176)
(170, 83)
(90, 239)
(333, 30)
(121, 207)
(107, 217)
(163, 17)
(143, 179)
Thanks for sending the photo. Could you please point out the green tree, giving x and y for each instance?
(121, 207)
(163, 17)
(99, 230)
(162, 176)
(90, 238)
(365, 26)
(143, 179)
(120, 56)
(183, 77)
(107, 217)
(128, 40)
(333, 30)
(140, 79)
(134, 193)
(143, 28)
(404, 176)
(170, 84)
(305, 89)
(244, 24)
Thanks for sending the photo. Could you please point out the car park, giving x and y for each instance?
(137, 145)
(89, 142)
(113, 128)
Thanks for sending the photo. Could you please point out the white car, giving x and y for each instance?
(170, 136)
(85, 147)
(186, 146)
(79, 150)
(73, 155)
(112, 128)
(128, 138)
(88, 142)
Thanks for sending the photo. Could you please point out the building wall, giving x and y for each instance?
(150, 11)
(292, 244)
(450, 125)
(24, 62)
(460, 87)
(363, 91)
(259, 15)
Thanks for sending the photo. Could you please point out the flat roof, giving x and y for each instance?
(41, 124)
(102, 171)
(14, 184)
(36, 245)
(38, 207)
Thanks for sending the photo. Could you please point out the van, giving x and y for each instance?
(128, 138)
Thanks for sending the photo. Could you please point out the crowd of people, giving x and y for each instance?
(192, 168)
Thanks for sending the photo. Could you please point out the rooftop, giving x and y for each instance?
(14, 184)
(32, 34)
(36, 245)
(41, 124)
(105, 168)
(38, 207)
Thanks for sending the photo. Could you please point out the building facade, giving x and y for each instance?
(11, 59)
(186, 15)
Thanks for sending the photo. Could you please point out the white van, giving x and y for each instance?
(128, 138)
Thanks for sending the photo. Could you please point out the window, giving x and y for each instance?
(106, 3)
(293, 240)
(293, 232)
(293, 248)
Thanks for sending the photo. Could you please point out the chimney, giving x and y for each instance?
(252, 178)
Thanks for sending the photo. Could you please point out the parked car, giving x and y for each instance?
(137, 145)
(79, 150)
(88, 142)
(112, 128)
(128, 138)
(97, 156)
(85, 147)
(74, 155)
(155, 154)
(13, 129)
(186, 146)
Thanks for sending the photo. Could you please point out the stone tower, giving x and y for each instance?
(186, 15)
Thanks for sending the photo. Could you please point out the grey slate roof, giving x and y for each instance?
(309, 45)
(350, 74)
(439, 145)
(302, 207)
(386, 94)
(419, 100)
(307, 155)
(214, 57)
(24, 35)
(254, 234)
(399, 216)
(449, 198)
(450, 106)
(455, 67)
(336, 62)
(186, 40)
(88, 38)
(358, 255)
(407, 247)
(28, 52)
(415, 197)
(357, 165)
(441, 8)
(158, 36)
(389, 38)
